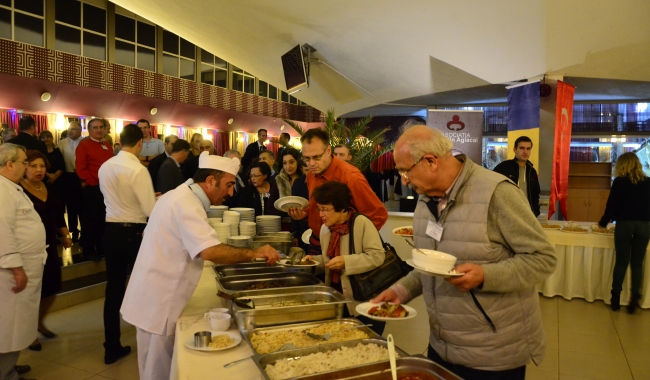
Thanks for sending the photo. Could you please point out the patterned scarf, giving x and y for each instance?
(334, 248)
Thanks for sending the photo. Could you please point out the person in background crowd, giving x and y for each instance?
(91, 154)
(27, 135)
(317, 154)
(487, 323)
(116, 148)
(192, 164)
(156, 163)
(151, 147)
(299, 189)
(629, 206)
(48, 206)
(238, 190)
(284, 141)
(176, 242)
(521, 171)
(107, 132)
(195, 142)
(291, 170)
(262, 193)
(343, 152)
(268, 157)
(8, 134)
(129, 198)
(170, 175)
(253, 149)
(333, 200)
(54, 156)
(72, 194)
(22, 254)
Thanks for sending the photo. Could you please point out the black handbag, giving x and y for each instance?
(368, 285)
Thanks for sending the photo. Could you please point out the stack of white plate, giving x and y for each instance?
(268, 223)
(223, 231)
(214, 221)
(232, 218)
(247, 229)
(216, 211)
(240, 241)
(247, 214)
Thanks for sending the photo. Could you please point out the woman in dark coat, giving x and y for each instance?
(262, 193)
(47, 205)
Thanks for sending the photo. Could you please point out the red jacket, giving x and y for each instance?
(90, 156)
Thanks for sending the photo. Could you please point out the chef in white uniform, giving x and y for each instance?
(176, 241)
(22, 256)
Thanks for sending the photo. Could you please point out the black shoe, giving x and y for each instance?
(115, 355)
(616, 301)
(36, 347)
(75, 237)
(47, 333)
(634, 303)
(22, 369)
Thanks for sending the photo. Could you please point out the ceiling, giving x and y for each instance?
(385, 57)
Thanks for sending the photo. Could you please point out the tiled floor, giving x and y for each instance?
(585, 341)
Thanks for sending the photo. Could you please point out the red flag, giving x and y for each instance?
(562, 146)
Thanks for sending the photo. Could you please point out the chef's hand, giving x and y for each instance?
(21, 279)
(336, 263)
(297, 213)
(387, 295)
(472, 278)
(270, 253)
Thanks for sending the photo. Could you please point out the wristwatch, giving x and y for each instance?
(146, 158)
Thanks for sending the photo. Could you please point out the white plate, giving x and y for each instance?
(432, 272)
(287, 262)
(189, 343)
(285, 203)
(574, 232)
(305, 236)
(363, 308)
(399, 228)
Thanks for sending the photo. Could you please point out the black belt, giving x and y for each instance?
(128, 224)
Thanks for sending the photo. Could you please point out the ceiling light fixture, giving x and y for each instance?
(230, 120)
(46, 96)
(154, 111)
(282, 127)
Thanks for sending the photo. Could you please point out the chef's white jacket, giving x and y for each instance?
(22, 244)
(169, 266)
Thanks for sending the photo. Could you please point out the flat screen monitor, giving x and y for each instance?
(295, 75)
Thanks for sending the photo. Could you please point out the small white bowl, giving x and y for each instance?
(433, 260)
(219, 321)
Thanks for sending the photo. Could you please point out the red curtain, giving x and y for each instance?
(12, 118)
(273, 147)
(221, 142)
(562, 149)
(154, 131)
(384, 162)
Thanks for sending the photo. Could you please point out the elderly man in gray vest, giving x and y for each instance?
(485, 324)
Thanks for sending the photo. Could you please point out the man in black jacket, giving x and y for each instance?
(254, 149)
(27, 134)
(521, 172)
(170, 174)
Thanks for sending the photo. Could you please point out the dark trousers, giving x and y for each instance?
(631, 240)
(93, 221)
(121, 245)
(467, 373)
(72, 196)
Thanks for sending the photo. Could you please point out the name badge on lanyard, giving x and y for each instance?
(104, 147)
(434, 230)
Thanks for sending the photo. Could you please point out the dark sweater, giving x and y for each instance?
(627, 201)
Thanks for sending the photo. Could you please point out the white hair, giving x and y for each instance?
(436, 143)
(231, 152)
(9, 152)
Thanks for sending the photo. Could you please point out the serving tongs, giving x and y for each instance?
(246, 303)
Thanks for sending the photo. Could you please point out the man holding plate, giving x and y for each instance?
(485, 323)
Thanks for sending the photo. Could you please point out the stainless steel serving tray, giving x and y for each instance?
(291, 279)
(299, 327)
(264, 315)
(409, 366)
(263, 360)
(254, 268)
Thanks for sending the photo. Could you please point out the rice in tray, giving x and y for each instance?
(343, 357)
(266, 342)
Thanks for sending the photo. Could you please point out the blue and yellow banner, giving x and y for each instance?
(523, 118)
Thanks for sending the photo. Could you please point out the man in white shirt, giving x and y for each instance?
(129, 198)
(22, 254)
(72, 194)
(176, 241)
(150, 147)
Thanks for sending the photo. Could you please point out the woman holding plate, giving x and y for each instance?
(333, 200)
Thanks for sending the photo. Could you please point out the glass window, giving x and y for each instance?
(284, 96)
(6, 3)
(68, 39)
(221, 78)
(5, 23)
(236, 69)
(187, 69)
(124, 53)
(94, 18)
(170, 65)
(170, 42)
(237, 82)
(293, 100)
(68, 11)
(28, 29)
(124, 28)
(218, 62)
(31, 6)
(207, 74)
(263, 89)
(249, 85)
(273, 92)
(94, 46)
(187, 49)
(146, 34)
(146, 58)
(207, 57)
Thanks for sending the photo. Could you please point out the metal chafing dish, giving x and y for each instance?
(255, 268)
(286, 279)
(263, 360)
(299, 327)
(265, 315)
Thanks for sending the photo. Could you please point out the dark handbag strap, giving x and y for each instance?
(352, 218)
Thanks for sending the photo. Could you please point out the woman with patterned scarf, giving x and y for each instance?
(333, 200)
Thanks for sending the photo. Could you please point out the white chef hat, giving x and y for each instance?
(228, 165)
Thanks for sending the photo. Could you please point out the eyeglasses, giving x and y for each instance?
(315, 158)
(325, 210)
(22, 162)
(405, 173)
(255, 176)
